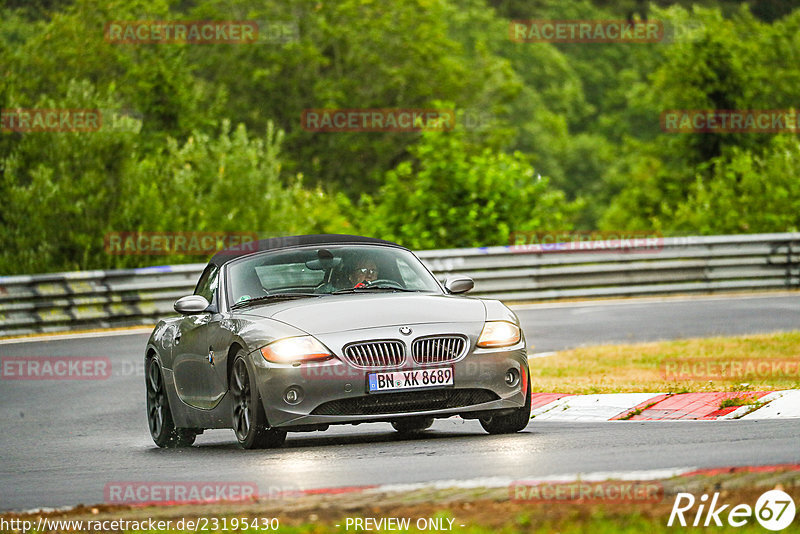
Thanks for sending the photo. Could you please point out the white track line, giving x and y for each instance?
(79, 335)
(623, 301)
(500, 482)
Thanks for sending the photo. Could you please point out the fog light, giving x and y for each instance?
(293, 395)
(512, 377)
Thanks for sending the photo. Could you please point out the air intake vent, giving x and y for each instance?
(386, 353)
(438, 349)
(406, 401)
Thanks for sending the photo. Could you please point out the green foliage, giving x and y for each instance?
(351, 54)
(737, 63)
(59, 190)
(746, 192)
(213, 141)
(228, 183)
(157, 81)
(63, 192)
(454, 195)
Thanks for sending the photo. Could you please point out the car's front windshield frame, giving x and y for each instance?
(433, 285)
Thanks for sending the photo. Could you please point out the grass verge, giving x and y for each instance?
(740, 363)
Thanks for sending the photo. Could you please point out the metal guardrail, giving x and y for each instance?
(96, 299)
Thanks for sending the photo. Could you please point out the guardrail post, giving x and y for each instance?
(790, 266)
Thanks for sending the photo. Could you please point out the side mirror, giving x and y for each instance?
(459, 284)
(191, 304)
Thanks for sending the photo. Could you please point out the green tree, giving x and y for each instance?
(736, 63)
(231, 182)
(456, 195)
(64, 191)
(354, 54)
(159, 82)
(747, 192)
(59, 190)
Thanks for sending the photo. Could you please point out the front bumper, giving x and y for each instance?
(335, 392)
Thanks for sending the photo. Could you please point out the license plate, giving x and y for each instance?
(415, 379)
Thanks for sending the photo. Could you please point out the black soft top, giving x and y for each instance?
(275, 243)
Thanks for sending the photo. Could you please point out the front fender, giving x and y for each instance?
(254, 334)
(161, 341)
(497, 311)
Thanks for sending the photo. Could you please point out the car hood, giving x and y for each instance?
(354, 312)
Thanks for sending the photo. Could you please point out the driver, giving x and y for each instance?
(365, 271)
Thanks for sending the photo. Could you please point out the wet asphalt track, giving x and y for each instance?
(63, 441)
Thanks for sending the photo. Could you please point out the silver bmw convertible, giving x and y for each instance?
(298, 333)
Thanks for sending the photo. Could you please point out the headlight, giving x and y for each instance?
(295, 349)
(498, 334)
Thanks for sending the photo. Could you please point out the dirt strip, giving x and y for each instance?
(541, 503)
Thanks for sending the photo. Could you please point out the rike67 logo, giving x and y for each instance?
(774, 510)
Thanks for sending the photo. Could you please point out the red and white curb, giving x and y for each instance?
(664, 406)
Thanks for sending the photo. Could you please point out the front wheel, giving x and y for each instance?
(248, 418)
(513, 422)
(159, 416)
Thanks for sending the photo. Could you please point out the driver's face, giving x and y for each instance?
(365, 271)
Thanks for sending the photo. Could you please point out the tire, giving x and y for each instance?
(411, 425)
(513, 422)
(159, 416)
(248, 420)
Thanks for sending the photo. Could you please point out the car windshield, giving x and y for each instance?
(326, 270)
